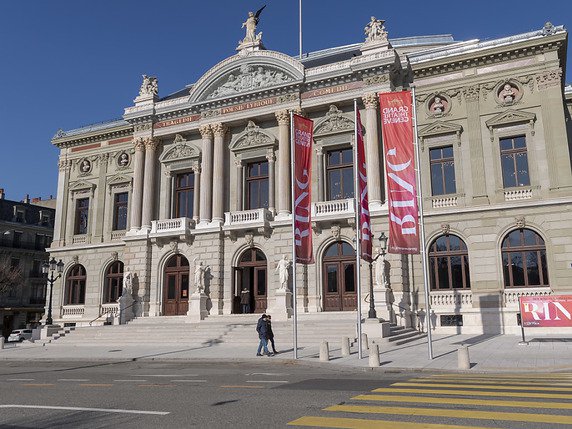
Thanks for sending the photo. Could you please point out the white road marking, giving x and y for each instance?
(268, 373)
(73, 379)
(189, 381)
(20, 379)
(135, 381)
(167, 375)
(266, 381)
(101, 410)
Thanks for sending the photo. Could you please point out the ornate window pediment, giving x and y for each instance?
(334, 122)
(82, 187)
(439, 128)
(119, 181)
(510, 117)
(252, 138)
(179, 150)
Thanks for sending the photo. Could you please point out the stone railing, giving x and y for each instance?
(336, 208)
(510, 297)
(111, 308)
(438, 202)
(518, 194)
(117, 235)
(79, 239)
(168, 227)
(247, 217)
(451, 299)
(73, 310)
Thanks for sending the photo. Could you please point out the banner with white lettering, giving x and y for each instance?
(546, 311)
(364, 219)
(303, 137)
(397, 128)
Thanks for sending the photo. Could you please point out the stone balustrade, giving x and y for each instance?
(171, 227)
(518, 194)
(438, 202)
(79, 239)
(256, 217)
(333, 209)
(510, 297)
(109, 309)
(73, 310)
(451, 299)
(117, 235)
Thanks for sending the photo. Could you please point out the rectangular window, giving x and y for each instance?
(340, 174)
(257, 185)
(40, 242)
(184, 194)
(514, 162)
(81, 216)
(36, 269)
(37, 293)
(120, 211)
(17, 239)
(442, 171)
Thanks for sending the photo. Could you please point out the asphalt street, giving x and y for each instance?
(269, 393)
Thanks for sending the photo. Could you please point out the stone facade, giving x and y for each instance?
(470, 96)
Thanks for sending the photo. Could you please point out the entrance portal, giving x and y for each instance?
(339, 277)
(176, 286)
(251, 273)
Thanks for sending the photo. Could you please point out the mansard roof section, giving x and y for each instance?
(99, 131)
(247, 72)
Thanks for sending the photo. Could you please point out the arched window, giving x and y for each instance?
(113, 283)
(449, 263)
(75, 286)
(524, 259)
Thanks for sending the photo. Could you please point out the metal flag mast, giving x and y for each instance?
(422, 227)
(358, 232)
(294, 294)
(300, 26)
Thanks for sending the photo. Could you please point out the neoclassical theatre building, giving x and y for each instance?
(199, 182)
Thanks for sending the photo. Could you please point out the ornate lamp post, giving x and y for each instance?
(51, 267)
(372, 314)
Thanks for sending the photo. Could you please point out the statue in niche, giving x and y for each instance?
(507, 94)
(123, 160)
(437, 106)
(282, 269)
(149, 86)
(375, 30)
(127, 282)
(200, 273)
(380, 269)
(85, 166)
(250, 24)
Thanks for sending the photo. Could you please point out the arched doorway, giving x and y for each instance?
(176, 286)
(251, 273)
(339, 277)
(75, 286)
(113, 283)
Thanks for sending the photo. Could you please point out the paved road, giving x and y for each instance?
(271, 394)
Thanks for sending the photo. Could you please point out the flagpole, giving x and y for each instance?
(358, 232)
(294, 294)
(422, 228)
(300, 26)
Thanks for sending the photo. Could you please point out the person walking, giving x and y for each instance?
(262, 329)
(270, 334)
(245, 300)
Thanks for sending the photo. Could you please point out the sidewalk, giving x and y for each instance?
(487, 353)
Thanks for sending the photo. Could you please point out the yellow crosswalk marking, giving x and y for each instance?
(466, 401)
(490, 381)
(473, 393)
(345, 423)
(470, 386)
(559, 376)
(461, 414)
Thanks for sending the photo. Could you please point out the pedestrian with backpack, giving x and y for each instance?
(262, 329)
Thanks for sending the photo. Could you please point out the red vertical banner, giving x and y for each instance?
(303, 137)
(397, 128)
(364, 219)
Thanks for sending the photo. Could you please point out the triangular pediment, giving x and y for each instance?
(334, 122)
(118, 179)
(180, 149)
(438, 128)
(510, 116)
(81, 185)
(252, 137)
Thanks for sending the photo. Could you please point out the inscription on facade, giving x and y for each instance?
(249, 105)
(331, 90)
(178, 121)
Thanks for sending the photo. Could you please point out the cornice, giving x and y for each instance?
(92, 137)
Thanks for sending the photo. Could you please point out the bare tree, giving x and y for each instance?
(10, 276)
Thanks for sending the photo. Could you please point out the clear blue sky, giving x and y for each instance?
(69, 63)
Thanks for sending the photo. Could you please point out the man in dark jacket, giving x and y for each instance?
(262, 329)
(245, 300)
(270, 335)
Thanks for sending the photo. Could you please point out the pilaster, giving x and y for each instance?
(283, 118)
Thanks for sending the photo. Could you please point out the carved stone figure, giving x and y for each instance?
(380, 269)
(249, 78)
(149, 86)
(282, 270)
(375, 31)
(437, 106)
(85, 166)
(200, 272)
(250, 24)
(127, 281)
(123, 159)
(507, 94)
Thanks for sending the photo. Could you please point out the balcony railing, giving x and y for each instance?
(73, 310)
(247, 218)
(517, 194)
(510, 297)
(439, 202)
(117, 235)
(451, 299)
(172, 227)
(110, 308)
(322, 210)
(79, 239)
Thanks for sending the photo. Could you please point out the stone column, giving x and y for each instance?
(320, 172)
(239, 184)
(64, 167)
(372, 151)
(137, 196)
(149, 182)
(271, 180)
(219, 131)
(167, 190)
(197, 192)
(476, 145)
(207, 174)
(284, 194)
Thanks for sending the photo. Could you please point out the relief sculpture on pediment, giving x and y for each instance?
(249, 78)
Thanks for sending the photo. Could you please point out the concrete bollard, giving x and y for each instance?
(463, 357)
(1, 342)
(364, 342)
(345, 346)
(324, 352)
(374, 355)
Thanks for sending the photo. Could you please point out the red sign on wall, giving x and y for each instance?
(546, 311)
(396, 123)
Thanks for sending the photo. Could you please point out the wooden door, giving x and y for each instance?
(339, 278)
(260, 289)
(176, 288)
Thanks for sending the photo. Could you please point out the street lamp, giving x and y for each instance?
(372, 314)
(51, 267)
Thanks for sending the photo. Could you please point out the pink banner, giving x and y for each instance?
(302, 182)
(397, 128)
(364, 220)
(546, 311)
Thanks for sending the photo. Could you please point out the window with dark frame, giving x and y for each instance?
(449, 263)
(184, 194)
(120, 211)
(339, 174)
(17, 239)
(257, 185)
(514, 162)
(37, 293)
(75, 286)
(524, 259)
(113, 283)
(442, 171)
(81, 216)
